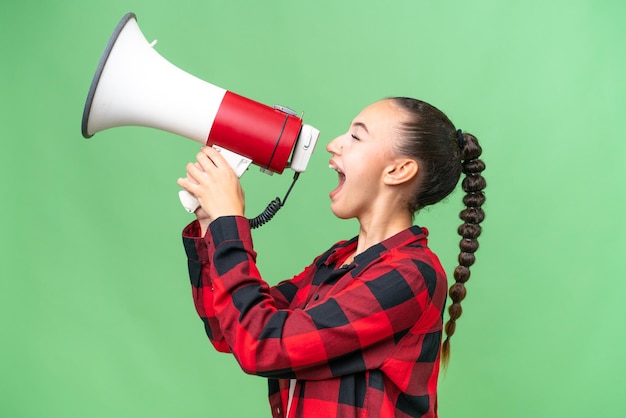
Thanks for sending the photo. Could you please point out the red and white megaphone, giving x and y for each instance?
(135, 86)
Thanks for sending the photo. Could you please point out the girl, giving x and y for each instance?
(357, 333)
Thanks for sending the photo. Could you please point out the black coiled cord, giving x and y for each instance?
(272, 208)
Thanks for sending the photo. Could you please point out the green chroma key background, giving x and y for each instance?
(96, 317)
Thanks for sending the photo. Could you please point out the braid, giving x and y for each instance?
(473, 184)
(428, 136)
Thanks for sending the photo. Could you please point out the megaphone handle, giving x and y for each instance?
(237, 162)
(189, 202)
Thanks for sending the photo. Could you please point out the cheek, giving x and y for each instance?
(364, 183)
(368, 169)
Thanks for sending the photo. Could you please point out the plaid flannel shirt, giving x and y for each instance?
(361, 340)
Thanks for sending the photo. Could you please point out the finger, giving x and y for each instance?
(204, 162)
(215, 156)
(188, 184)
(195, 172)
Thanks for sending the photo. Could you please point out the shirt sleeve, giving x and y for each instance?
(201, 286)
(352, 331)
(198, 263)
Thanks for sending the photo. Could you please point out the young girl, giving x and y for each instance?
(357, 333)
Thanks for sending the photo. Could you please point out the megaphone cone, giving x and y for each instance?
(135, 86)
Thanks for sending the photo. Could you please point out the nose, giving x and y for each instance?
(334, 146)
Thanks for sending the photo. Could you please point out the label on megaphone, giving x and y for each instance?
(237, 162)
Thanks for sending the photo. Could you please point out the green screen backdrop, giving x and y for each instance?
(96, 317)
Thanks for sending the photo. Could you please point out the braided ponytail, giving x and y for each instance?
(431, 138)
(473, 184)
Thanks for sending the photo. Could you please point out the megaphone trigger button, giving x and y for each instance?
(308, 142)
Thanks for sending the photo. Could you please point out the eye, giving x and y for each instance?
(354, 137)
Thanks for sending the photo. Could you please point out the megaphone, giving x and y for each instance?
(135, 86)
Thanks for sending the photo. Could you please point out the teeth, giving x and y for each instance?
(332, 167)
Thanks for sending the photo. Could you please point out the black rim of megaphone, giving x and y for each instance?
(101, 64)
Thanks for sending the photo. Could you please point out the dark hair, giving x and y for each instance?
(443, 153)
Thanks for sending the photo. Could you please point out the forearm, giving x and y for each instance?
(201, 286)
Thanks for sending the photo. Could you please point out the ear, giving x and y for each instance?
(401, 171)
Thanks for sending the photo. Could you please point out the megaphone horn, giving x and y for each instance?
(135, 86)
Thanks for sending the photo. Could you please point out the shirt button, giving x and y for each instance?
(316, 297)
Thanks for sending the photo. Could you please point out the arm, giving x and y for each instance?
(196, 249)
(198, 265)
(212, 181)
(200, 176)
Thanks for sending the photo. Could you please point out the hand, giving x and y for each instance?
(216, 186)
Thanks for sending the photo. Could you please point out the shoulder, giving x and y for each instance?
(411, 269)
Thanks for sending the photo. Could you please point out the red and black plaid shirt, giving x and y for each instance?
(362, 340)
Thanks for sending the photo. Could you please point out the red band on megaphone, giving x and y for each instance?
(254, 130)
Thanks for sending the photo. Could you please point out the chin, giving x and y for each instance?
(341, 214)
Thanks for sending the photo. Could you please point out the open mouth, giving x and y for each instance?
(340, 174)
(341, 178)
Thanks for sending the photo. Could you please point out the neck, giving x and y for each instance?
(375, 230)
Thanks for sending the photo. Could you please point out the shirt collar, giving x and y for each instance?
(412, 235)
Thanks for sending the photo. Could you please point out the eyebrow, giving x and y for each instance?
(360, 124)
